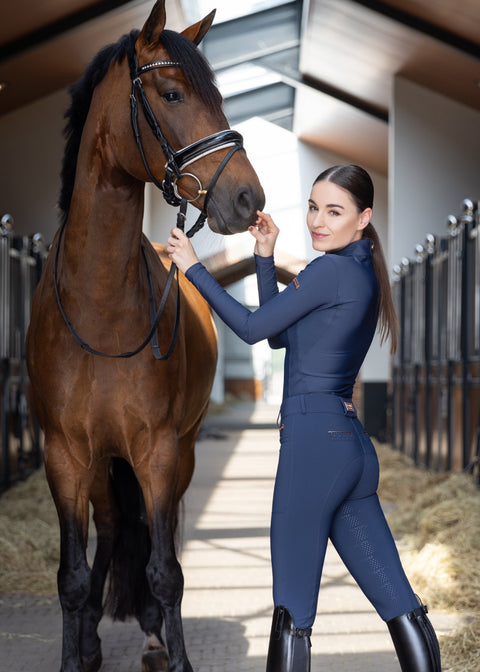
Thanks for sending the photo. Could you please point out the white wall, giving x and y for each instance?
(434, 163)
(31, 150)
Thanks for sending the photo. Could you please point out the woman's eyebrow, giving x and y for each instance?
(328, 205)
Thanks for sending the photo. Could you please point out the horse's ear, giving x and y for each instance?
(197, 32)
(154, 25)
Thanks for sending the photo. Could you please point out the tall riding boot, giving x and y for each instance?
(415, 641)
(289, 648)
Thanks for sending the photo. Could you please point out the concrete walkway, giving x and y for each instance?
(227, 605)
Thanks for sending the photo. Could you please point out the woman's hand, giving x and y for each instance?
(180, 250)
(265, 233)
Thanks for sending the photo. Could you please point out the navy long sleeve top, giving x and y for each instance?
(325, 318)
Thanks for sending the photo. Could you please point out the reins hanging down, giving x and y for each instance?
(175, 163)
(154, 319)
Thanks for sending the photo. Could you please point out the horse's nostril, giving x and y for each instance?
(247, 202)
(243, 202)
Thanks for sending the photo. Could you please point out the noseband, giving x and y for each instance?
(176, 161)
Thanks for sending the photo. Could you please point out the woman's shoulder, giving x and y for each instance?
(320, 264)
(317, 270)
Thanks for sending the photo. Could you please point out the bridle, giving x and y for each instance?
(176, 161)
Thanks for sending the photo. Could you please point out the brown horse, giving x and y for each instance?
(120, 424)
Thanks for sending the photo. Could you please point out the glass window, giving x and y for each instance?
(226, 9)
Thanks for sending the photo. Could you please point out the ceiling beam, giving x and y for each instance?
(420, 25)
(287, 68)
(57, 28)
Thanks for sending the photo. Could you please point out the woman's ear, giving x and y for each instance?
(365, 218)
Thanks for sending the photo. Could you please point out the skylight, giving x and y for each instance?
(226, 9)
(243, 78)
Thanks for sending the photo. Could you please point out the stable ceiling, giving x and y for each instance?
(322, 68)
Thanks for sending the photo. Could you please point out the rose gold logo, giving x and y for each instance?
(296, 284)
(349, 407)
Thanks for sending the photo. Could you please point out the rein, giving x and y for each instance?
(176, 161)
(154, 317)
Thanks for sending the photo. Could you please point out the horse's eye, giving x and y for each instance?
(173, 97)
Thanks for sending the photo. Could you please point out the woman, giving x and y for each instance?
(328, 470)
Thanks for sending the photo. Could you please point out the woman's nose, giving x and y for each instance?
(318, 222)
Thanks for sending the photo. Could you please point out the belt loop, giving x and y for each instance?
(279, 418)
(303, 407)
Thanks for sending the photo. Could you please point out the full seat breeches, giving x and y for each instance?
(325, 488)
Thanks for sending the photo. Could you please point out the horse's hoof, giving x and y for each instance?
(93, 663)
(155, 661)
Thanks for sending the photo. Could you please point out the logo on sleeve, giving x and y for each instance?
(296, 284)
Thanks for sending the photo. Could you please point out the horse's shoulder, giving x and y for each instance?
(160, 250)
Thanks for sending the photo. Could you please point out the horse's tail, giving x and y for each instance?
(128, 588)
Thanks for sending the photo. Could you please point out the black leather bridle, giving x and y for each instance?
(176, 161)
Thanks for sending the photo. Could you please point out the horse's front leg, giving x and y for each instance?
(69, 484)
(159, 481)
(101, 497)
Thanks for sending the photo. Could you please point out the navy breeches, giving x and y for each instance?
(326, 487)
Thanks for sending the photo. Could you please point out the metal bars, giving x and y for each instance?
(22, 260)
(436, 372)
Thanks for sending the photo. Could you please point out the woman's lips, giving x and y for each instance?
(319, 236)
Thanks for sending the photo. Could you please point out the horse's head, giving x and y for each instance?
(182, 139)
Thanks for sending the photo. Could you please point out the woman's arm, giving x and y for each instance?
(312, 288)
(267, 289)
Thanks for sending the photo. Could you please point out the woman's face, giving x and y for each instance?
(333, 218)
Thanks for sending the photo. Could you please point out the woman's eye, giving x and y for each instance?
(172, 97)
(335, 213)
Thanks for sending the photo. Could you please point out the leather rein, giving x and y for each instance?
(176, 161)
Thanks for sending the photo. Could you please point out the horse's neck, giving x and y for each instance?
(102, 247)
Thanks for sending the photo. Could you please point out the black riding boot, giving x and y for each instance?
(289, 648)
(415, 641)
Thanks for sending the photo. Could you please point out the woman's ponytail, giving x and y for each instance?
(387, 317)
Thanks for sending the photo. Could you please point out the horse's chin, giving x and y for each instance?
(219, 224)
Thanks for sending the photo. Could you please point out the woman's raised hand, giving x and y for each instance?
(265, 233)
(180, 250)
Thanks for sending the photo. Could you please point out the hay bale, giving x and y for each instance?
(439, 541)
(400, 478)
(29, 538)
(461, 651)
(436, 523)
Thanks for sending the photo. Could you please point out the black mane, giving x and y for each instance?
(194, 66)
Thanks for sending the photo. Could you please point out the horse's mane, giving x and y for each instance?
(194, 66)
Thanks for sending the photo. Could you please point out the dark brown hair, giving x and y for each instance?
(358, 183)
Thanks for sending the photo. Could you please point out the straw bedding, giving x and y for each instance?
(434, 517)
(29, 538)
(436, 520)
